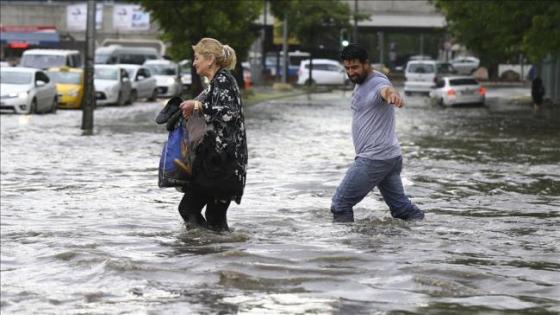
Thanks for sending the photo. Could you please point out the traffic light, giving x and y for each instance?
(344, 39)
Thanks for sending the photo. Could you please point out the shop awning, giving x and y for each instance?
(31, 38)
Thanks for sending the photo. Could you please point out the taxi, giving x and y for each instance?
(69, 86)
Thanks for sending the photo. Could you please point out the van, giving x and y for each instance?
(420, 75)
(115, 54)
(50, 58)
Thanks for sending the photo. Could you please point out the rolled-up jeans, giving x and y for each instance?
(362, 177)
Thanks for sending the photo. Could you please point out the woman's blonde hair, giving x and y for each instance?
(224, 54)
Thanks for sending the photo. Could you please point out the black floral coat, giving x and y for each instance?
(223, 112)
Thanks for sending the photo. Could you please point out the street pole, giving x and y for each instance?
(263, 52)
(89, 92)
(355, 30)
(285, 50)
(381, 47)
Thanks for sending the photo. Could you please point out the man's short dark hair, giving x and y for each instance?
(354, 51)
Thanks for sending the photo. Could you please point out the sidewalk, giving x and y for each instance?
(258, 94)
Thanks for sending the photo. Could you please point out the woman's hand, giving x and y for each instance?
(187, 107)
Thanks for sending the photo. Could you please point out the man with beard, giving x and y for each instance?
(378, 159)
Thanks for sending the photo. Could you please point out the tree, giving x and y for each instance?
(184, 23)
(500, 30)
(313, 21)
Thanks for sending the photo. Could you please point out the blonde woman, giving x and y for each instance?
(219, 170)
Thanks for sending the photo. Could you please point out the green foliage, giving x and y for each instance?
(500, 30)
(184, 23)
(312, 21)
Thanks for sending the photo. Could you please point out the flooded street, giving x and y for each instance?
(85, 229)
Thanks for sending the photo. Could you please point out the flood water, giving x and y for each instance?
(85, 229)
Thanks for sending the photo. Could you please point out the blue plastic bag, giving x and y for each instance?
(179, 152)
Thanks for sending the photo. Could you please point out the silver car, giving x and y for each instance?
(465, 65)
(112, 85)
(452, 90)
(168, 77)
(26, 91)
(143, 83)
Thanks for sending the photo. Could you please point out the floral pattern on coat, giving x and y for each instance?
(223, 112)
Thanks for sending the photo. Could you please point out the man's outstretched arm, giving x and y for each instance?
(391, 96)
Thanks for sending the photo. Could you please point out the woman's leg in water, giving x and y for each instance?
(216, 214)
(190, 209)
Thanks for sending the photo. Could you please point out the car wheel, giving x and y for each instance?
(154, 96)
(133, 97)
(440, 102)
(32, 107)
(54, 105)
(120, 100)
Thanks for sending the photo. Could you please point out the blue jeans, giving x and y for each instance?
(362, 177)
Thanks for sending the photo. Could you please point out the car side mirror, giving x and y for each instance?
(140, 78)
(40, 83)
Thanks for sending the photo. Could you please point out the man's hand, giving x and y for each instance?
(187, 107)
(391, 96)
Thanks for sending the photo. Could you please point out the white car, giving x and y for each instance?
(186, 76)
(465, 65)
(26, 91)
(324, 72)
(420, 75)
(167, 76)
(143, 83)
(451, 90)
(112, 85)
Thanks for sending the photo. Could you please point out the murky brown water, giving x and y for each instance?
(85, 229)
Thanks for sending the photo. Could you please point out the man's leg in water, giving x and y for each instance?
(361, 177)
(216, 214)
(393, 193)
(190, 209)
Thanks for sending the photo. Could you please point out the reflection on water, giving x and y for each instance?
(85, 229)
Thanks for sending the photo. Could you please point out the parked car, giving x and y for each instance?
(274, 62)
(112, 85)
(186, 76)
(168, 77)
(324, 71)
(26, 91)
(143, 83)
(69, 86)
(420, 75)
(465, 65)
(49, 58)
(117, 54)
(451, 90)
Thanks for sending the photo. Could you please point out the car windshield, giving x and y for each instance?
(130, 72)
(65, 77)
(421, 68)
(43, 61)
(102, 58)
(12, 77)
(106, 74)
(162, 69)
(445, 68)
(466, 81)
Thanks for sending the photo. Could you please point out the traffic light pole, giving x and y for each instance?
(88, 102)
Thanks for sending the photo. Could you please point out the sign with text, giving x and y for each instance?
(130, 18)
(76, 17)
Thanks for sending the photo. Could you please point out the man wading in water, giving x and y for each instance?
(378, 159)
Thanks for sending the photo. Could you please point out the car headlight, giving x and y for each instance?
(22, 94)
(169, 81)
